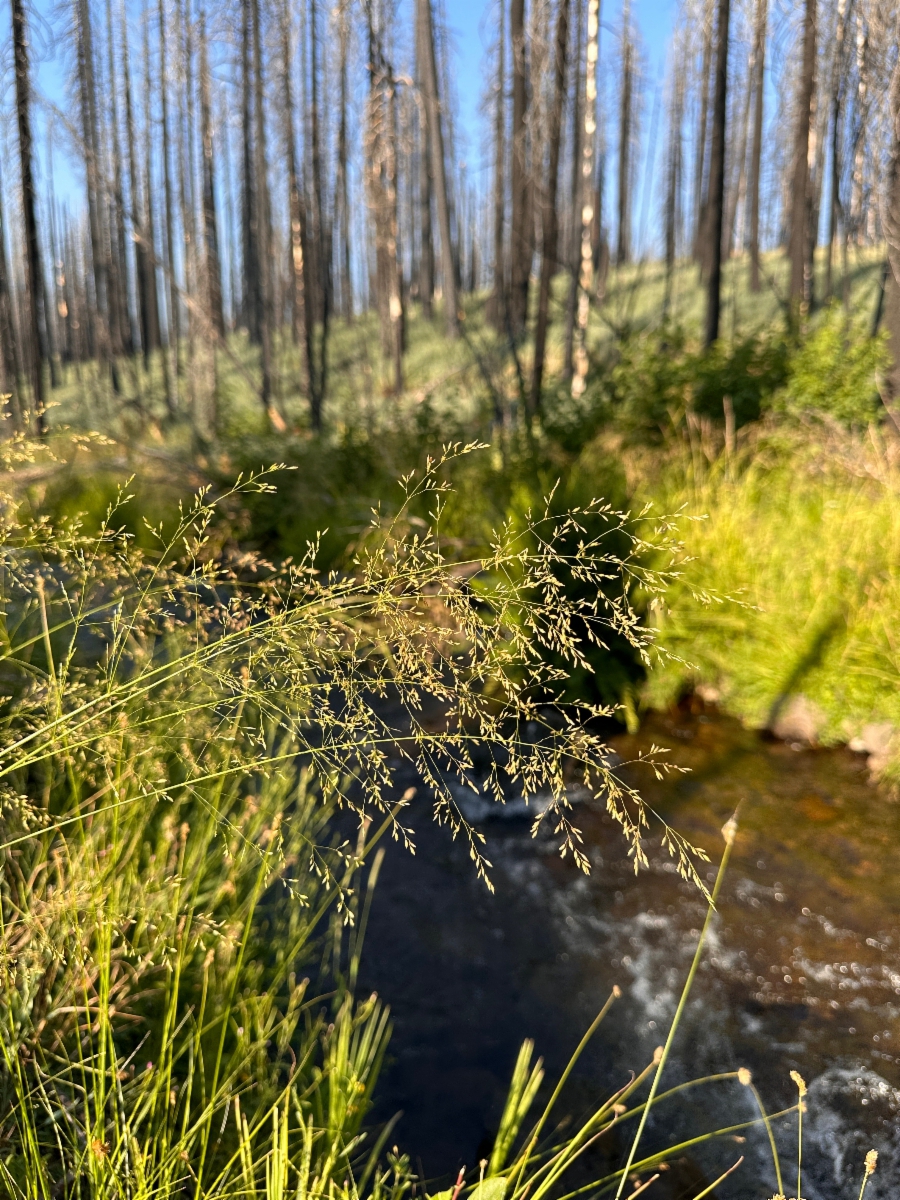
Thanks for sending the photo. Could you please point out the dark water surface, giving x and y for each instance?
(802, 970)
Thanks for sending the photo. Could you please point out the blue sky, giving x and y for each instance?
(471, 31)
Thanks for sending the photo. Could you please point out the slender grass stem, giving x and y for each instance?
(729, 833)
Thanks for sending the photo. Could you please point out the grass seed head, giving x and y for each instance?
(800, 1082)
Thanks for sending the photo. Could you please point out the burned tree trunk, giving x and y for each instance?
(499, 299)
(426, 180)
(10, 371)
(673, 184)
(716, 193)
(439, 169)
(173, 322)
(210, 227)
(799, 248)
(33, 276)
(837, 98)
(575, 229)
(381, 173)
(343, 179)
(623, 240)
(90, 138)
(263, 227)
(521, 246)
(590, 198)
(125, 332)
(250, 251)
(892, 237)
(301, 311)
(145, 274)
(550, 217)
(701, 161)
(759, 68)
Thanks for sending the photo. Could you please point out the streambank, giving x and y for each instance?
(786, 614)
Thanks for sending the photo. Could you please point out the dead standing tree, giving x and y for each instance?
(302, 317)
(521, 248)
(550, 217)
(623, 240)
(589, 217)
(716, 193)
(33, 275)
(499, 301)
(801, 199)
(753, 186)
(381, 176)
(210, 226)
(433, 112)
(892, 237)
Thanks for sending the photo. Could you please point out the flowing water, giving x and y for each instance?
(801, 972)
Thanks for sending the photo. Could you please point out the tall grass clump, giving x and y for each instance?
(181, 723)
(802, 526)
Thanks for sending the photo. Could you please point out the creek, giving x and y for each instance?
(801, 971)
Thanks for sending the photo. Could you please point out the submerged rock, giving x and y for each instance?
(880, 740)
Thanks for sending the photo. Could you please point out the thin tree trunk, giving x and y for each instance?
(343, 180)
(173, 322)
(323, 246)
(575, 229)
(426, 182)
(439, 170)
(801, 198)
(892, 237)
(263, 227)
(147, 316)
(48, 303)
(701, 162)
(320, 257)
(170, 385)
(521, 227)
(210, 227)
(740, 166)
(551, 222)
(673, 183)
(251, 286)
(33, 276)
(186, 180)
(499, 299)
(301, 313)
(381, 173)
(835, 211)
(426, 233)
(11, 382)
(623, 240)
(126, 330)
(90, 138)
(716, 194)
(759, 69)
(857, 196)
(590, 197)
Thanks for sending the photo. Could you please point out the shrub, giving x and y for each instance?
(656, 380)
(833, 372)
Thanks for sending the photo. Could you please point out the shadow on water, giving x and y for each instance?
(802, 970)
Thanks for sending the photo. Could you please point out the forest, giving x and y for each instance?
(449, 566)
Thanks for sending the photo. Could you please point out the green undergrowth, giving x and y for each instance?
(801, 528)
(778, 438)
